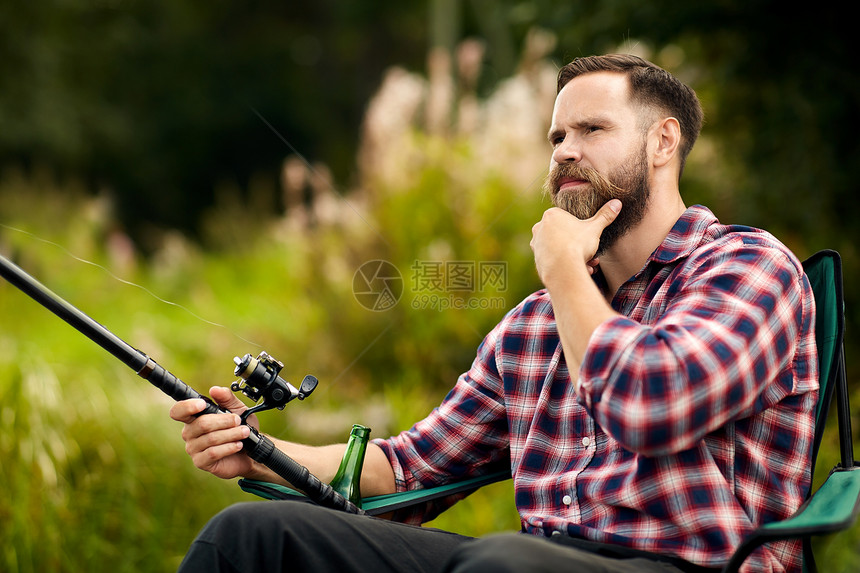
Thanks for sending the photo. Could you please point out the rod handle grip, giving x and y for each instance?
(168, 383)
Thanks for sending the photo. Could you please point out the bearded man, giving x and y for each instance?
(654, 402)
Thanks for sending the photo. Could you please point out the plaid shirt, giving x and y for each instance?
(692, 421)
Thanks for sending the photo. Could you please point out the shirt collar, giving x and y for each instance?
(686, 235)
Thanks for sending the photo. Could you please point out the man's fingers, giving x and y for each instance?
(185, 411)
(212, 431)
(227, 399)
(207, 459)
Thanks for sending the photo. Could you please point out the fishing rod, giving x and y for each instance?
(260, 380)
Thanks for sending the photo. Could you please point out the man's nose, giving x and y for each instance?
(567, 152)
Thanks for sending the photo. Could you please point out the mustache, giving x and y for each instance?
(598, 181)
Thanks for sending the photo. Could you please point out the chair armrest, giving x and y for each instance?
(833, 507)
(379, 504)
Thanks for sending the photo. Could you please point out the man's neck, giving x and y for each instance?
(629, 254)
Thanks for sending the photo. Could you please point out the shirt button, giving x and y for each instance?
(567, 500)
(586, 441)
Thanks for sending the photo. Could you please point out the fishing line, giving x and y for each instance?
(132, 284)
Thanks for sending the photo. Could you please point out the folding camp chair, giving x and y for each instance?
(833, 507)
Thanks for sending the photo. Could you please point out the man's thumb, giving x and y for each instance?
(608, 212)
(227, 400)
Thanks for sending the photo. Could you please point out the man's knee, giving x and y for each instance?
(252, 522)
(251, 536)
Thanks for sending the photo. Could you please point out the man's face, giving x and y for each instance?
(599, 153)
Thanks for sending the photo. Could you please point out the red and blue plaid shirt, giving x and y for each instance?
(692, 421)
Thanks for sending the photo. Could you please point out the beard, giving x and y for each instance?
(629, 183)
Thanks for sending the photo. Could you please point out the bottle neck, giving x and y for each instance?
(347, 480)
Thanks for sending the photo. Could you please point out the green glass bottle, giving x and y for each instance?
(347, 480)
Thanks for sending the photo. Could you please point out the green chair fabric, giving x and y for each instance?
(380, 504)
(833, 507)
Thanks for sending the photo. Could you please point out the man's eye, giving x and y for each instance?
(592, 128)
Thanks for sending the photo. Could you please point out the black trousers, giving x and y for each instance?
(271, 536)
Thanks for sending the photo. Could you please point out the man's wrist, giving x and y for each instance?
(567, 278)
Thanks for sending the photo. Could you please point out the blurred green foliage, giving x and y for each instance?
(230, 160)
(95, 470)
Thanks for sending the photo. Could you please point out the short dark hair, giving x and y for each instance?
(651, 86)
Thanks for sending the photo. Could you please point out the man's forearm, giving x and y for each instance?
(377, 476)
(579, 308)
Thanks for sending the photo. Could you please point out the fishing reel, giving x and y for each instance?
(261, 382)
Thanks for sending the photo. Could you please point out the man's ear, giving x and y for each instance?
(667, 133)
